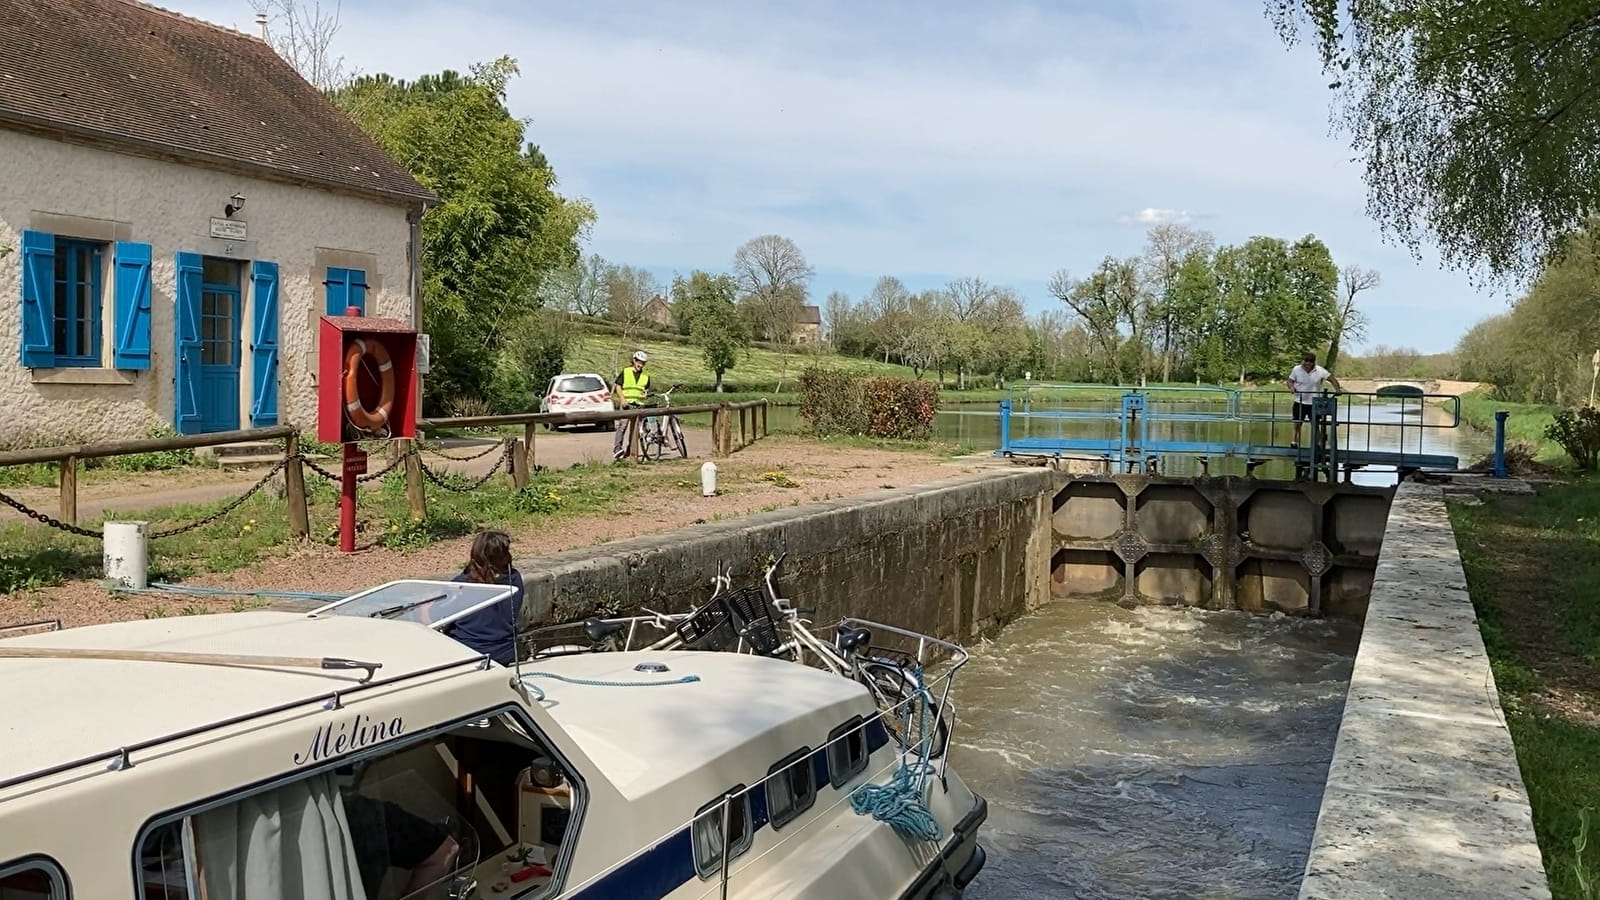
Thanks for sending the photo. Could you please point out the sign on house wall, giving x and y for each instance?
(227, 229)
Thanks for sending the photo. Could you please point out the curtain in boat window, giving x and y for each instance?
(284, 844)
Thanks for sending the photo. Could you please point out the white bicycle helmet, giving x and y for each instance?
(641, 356)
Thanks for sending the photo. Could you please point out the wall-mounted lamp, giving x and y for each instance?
(235, 206)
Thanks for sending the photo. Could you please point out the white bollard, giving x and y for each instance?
(708, 479)
(127, 554)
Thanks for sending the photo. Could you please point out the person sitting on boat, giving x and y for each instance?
(493, 630)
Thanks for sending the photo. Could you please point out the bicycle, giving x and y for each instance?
(890, 677)
(618, 634)
(662, 431)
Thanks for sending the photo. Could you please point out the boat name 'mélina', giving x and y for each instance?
(351, 734)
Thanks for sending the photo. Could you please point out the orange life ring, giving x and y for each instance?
(361, 417)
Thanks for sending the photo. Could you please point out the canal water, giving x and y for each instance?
(1150, 753)
(1381, 425)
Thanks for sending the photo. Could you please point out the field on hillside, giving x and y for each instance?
(756, 371)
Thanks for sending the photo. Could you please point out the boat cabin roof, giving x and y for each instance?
(60, 709)
(644, 738)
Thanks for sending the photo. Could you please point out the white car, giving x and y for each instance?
(578, 392)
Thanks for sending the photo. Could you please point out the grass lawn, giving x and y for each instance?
(1527, 422)
(32, 557)
(1533, 567)
(756, 372)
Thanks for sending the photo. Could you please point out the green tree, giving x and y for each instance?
(500, 229)
(1478, 119)
(707, 304)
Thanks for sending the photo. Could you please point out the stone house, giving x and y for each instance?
(659, 311)
(177, 207)
(808, 328)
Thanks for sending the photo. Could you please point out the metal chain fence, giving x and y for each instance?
(438, 450)
(476, 483)
(51, 521)
(235, 504)
(439, 479)
(361, 479)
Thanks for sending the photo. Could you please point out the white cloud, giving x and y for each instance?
(1151, 216)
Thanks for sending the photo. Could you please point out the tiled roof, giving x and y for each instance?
(152, 80)
(810, 315)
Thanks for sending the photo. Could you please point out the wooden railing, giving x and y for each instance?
(69, 456)
(752, 425)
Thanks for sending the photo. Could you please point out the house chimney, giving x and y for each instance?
(261, 24)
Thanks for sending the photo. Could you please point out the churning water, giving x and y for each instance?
(1150, 753)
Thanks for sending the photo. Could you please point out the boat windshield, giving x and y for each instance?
(431, 603)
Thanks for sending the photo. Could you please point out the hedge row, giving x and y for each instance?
(882, 406)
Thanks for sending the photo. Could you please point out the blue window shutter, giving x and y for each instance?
(186, 392)
(338, 290)
(38, 299)
(264, 346)
(133, 306)
(356, 285)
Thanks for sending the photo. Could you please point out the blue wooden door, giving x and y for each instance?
(221, 325)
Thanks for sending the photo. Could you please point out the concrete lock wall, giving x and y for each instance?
(956, 559)
(1218, 543)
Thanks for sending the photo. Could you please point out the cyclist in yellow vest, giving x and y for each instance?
(632, 385)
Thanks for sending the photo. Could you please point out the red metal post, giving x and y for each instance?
(355, 463)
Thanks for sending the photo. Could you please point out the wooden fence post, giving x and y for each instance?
(519, 464)
(743, 414)
(69, 490)
(294, 488)
(764, 405)
(416, 494)
(722, 430)
(527, 439)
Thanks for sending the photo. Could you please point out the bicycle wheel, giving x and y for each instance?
(683, 444)
(650, 445)
(894, 690)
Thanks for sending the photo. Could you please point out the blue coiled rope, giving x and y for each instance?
(900, 803)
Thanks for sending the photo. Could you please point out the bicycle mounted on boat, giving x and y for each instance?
(744, 621)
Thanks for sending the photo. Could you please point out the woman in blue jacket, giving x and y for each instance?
(492, 630)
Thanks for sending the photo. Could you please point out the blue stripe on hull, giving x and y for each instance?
(669, 864)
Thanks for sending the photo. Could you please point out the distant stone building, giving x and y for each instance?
(659, 311)
(177, 207)
(808, 330)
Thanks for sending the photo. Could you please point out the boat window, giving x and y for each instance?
(847, 752)
(486, 801)
(708, 831)
(32, 879)
(791, 789)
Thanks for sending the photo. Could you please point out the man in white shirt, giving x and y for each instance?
(1305, 380)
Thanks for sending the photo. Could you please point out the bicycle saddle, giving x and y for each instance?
(851, 639)
(598, 630)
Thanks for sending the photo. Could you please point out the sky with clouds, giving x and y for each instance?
(927, 140)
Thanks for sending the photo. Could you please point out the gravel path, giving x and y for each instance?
(819, 471)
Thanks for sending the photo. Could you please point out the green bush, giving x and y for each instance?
(901, 407)
(835, 402)
(1578, 433)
